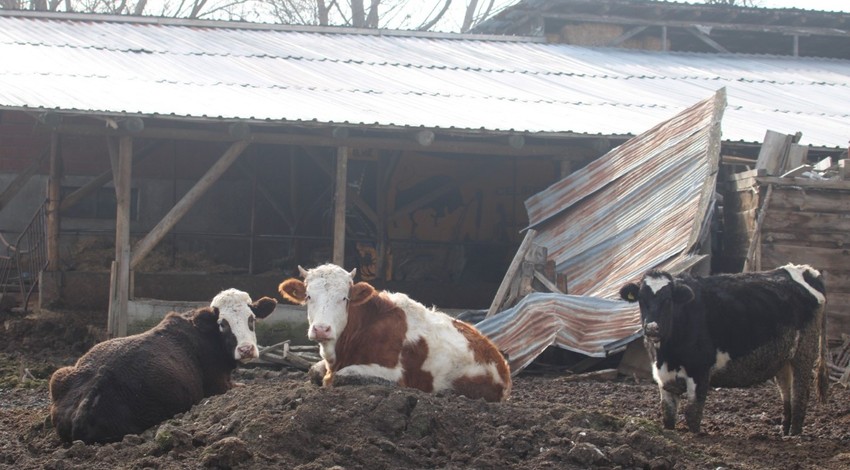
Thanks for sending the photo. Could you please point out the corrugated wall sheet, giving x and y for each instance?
(645, 204)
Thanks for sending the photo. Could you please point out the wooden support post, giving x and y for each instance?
(514, 267)
(120, 273)
(340, 191)
(753, 262)
(144, 246)
(381, 211)
(54, 189)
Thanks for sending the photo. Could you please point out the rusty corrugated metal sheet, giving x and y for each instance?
(587, 328)
(94, 64)
(645, 204)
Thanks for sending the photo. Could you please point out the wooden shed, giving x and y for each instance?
(800, 216)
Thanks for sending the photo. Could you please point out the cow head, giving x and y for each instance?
(236, 316)
(660, 296)
(327, 291)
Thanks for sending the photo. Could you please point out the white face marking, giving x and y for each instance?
(327, 304)
(796, 272)
(656, 283)
(234, 308)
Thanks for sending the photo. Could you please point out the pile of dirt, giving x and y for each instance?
(277, 419)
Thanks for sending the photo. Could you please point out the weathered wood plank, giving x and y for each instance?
(797, 155)
(774, 255)
(812, 200)
(805, 183)
(793, 221)
(514, 267)
(806, 238)
(340, 193)
(772, 153)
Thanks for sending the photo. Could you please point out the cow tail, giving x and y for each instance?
(821, 372)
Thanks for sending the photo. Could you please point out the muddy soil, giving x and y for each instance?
(279, 420)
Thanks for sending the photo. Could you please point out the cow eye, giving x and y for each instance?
(345, 299)
(251, 321)
(223, 326)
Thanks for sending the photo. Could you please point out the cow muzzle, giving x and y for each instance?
(652, 331)
(320, 333)
(246, 352)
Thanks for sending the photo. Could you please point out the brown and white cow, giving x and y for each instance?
(126, 385)
(370, 336)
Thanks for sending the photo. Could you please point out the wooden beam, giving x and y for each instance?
(706, 39)
(340, 192)
(21, 180)
(626, 36)
(514, 267)
(54, 193)
(144, 246)
(120, 273)
(469, 146)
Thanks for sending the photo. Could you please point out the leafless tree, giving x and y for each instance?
(420, 15)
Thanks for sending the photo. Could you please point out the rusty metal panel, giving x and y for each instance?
(643, 205)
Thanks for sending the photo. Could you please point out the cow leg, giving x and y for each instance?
(669, 407)
(784, 380)
(697, 394)
(801, 372)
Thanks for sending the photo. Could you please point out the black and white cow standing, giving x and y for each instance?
(126, 385)
(734, 330)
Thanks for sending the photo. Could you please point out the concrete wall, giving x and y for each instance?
(287, 322)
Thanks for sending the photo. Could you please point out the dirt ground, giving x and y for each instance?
(279, 420)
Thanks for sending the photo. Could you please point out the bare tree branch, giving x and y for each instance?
(437, 18)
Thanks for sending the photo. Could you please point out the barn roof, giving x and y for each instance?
(202, 70)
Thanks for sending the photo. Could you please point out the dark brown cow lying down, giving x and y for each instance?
(126, 385)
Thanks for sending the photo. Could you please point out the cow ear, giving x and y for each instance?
(360, 293)
(293, 290)
(682, 294)
(263, 307)
(630, 292)
(206, 319)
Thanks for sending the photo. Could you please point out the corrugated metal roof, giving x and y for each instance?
(645, 204)
(93, 64)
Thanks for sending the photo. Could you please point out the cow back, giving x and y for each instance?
(125, 385)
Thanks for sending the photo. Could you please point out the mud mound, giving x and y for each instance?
(279, 420)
